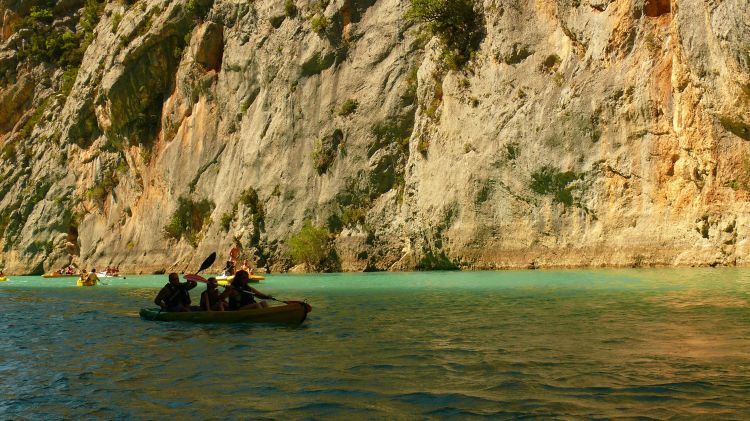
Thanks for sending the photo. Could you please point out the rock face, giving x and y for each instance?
(580, 133)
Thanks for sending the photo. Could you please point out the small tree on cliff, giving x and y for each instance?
(455, 22)
(310, 246)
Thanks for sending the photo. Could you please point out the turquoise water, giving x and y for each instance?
(554, 344)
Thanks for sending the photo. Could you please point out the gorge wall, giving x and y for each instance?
(578, 133)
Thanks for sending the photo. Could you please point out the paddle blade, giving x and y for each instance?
(195, 278)
(208, 262)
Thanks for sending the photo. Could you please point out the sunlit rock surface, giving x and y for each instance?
(582, 133)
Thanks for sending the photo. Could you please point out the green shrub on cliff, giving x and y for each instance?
(319, 24)
(198, 8)
(348, 107)
(311, 245)
(395, 130)
(251, 200)
(290, 9)
(226, 220)
(353, 215)
(92, 11)
(455, 22)
(188, 220)
(60, 46)
(68, 80)
(276, 21)
(549, 180)
(116, 19)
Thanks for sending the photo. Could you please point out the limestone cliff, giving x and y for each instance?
(577, 133)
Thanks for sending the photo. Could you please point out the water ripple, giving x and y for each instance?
(645, 344)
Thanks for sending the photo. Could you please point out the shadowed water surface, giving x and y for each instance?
(636, 343)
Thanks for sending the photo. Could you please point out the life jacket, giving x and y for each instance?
(178, 296)
(241, 299)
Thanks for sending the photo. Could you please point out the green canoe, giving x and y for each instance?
(293, 312)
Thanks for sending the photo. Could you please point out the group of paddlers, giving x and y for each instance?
(231, 266)
(175, 296)
(69, 270)
(111, 271)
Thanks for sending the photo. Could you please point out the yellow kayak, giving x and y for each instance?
(90, 281)
(226, 280)
(3, 279)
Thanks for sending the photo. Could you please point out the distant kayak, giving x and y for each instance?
(226, 280)
(3, 279)
(59, 275)
(295, 312)
(106, 275)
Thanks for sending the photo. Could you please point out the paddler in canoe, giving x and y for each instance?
(211, 299)
(175, 296)
(87, 279)
(241, 295)
(231, 265)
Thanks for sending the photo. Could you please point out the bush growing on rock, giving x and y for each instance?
(311, 245)
(45, 43)
(319, 24)
(101, 191)
(68, 80)
(549, 180)
(250, 199)
(226, 221)
(455, 22)
(353, 215)
(290, 9)
(198, 8)
(116, 19)
(348, 107)
(188, 220)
